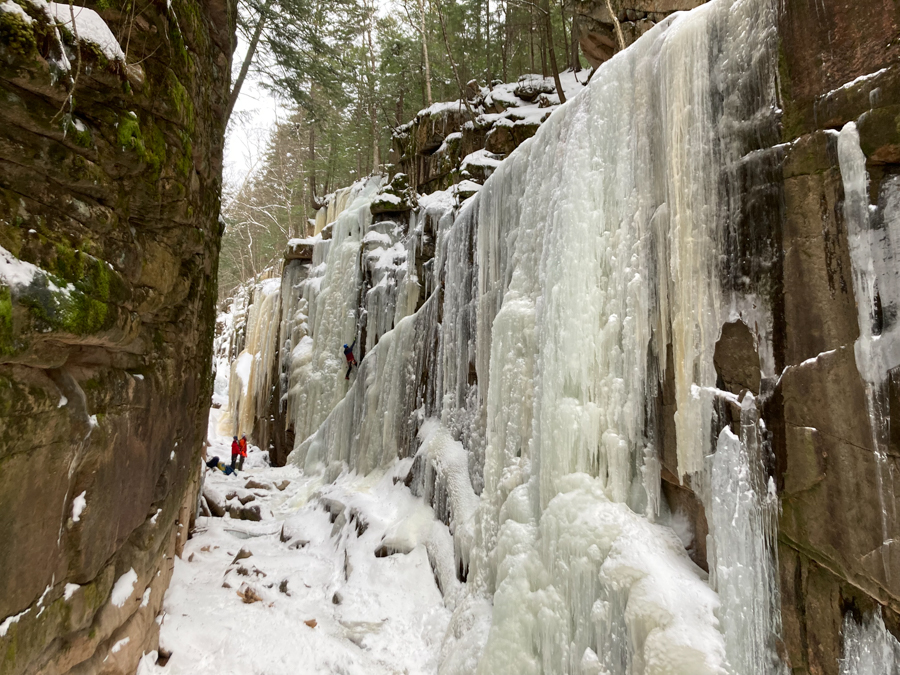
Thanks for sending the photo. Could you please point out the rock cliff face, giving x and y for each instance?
(451, 143)
(836, 440)
(110, 169)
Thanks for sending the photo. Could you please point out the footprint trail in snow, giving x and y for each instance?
(333, 578)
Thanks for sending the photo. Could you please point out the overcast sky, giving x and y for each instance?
(254, 115)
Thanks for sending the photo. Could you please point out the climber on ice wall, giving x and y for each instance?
(351, 360)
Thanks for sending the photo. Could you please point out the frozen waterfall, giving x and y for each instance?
(526, 383)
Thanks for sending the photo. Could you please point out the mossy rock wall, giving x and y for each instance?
(111, 190)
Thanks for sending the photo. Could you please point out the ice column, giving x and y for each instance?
(873, 234)
(742, 510)
(869, 649)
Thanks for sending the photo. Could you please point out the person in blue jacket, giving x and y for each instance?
(351, 360)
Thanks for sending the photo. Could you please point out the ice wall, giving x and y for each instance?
(331, 313)
(869, 649)
(334, 206)
(251, 377)
(598, 243)
(539, 350)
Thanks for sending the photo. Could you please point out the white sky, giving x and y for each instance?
(255, 114)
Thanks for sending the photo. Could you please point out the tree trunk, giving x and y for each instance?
(487, 51)
(398, 115)
(619, 37)
(576, 62)
(504, 52)
(531, 37)
(248, 59)
(562, 16)
(543, 47)
(313, 198)
(462, 93)
(372, 103)
(425, 52)
(548, 25)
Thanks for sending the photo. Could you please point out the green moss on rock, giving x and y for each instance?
(128, 134)
(17, 34)
(75, 296)
(7, 345)
(149, 145)
(792, 123)
(181, 100)
(81, 137)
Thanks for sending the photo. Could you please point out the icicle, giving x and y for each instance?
(742, 519)
(869, 649)
(875, 254)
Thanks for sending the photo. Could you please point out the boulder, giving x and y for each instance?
(241, 512)
(300, 249)
(529, 87)
(395, 197)
(254, 484)
(243, 554)
(215, 500)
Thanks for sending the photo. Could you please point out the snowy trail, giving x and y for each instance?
(327, 603)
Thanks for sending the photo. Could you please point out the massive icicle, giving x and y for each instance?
(869, 649)
(873, 233)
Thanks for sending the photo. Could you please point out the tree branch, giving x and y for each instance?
(248, 59)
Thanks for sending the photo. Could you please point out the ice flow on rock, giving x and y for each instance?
(525, 382)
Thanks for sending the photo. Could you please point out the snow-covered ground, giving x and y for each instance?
(312, 596)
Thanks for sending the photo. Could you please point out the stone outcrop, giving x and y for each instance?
(447, 143)
(595, 27)
(110, 171)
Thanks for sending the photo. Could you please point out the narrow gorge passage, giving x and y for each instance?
(566, 372)
(339, 584)
(577, 377)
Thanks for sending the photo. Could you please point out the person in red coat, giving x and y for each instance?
(242, 444)
(235, 452)
(351, 359)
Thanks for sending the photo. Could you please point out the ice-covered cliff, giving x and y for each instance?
(647, 373)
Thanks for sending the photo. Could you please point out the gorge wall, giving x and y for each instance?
(647, 372)
(835, 439)
(110, 175)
